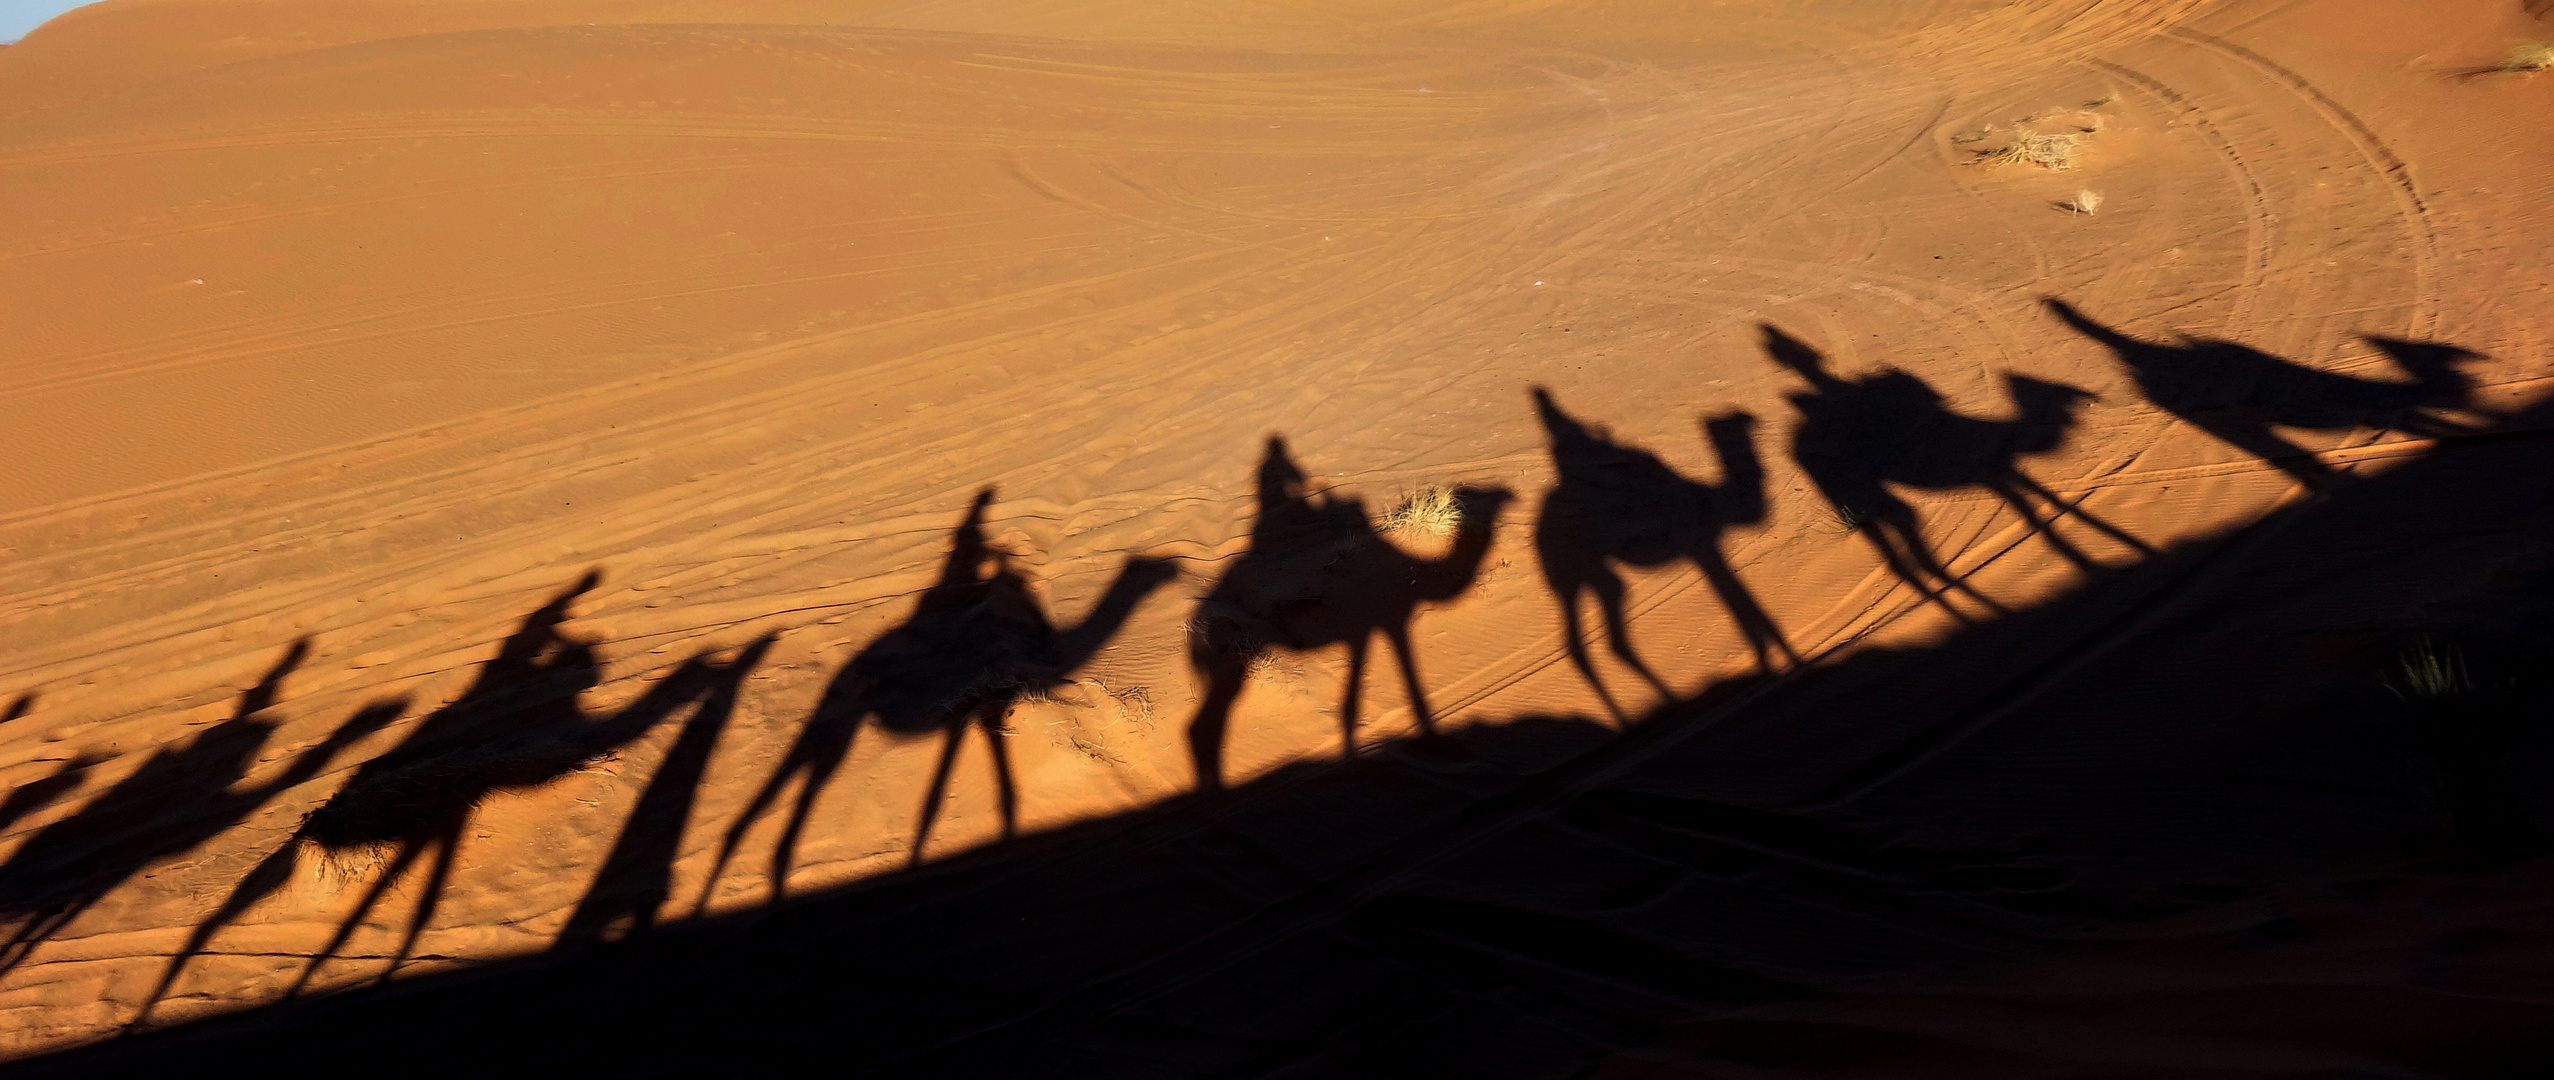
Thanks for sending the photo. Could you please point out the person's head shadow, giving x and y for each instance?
(1616, 505)
(2240, 394)
(978, 641)
(1860, 439)
(1318, 573)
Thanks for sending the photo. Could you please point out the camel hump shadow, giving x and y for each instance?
(2239, 394)
(1615, 505)
(1318, 573)
(978, 641)
(1859, 439)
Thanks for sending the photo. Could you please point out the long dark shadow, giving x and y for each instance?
(635, 882)
(518, 726)
(1317, 574)
(176, 800)
(978, 640)
(1859, 437)
(1619, 505)
(2240, 394)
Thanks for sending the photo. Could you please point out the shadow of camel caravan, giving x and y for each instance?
(2183, 774)
(1318, 574)
(977, 642)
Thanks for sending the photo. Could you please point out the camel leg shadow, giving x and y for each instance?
(444, 839)
(1226, 669)
(989, 717)
(1897, 535)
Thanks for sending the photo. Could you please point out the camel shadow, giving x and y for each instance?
(2239, 394)
(1858, 437)
(977, 642)
(1616, 504)
(176, 800)
(1318, 574)
(517, 727)
(636, 878)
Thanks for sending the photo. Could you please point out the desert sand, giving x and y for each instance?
(1406, 537)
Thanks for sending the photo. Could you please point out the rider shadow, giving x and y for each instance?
(977, 643)
(1316, 574)
(2239, 394)
(517, 727)
(1616, 504)
(1858, 437)
(179, 798)
(636, 878)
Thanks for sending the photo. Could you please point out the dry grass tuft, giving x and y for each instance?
(2086, 201)
(1432, 511)
(2429, 671)
(1091, 722)
(2048, 151)
(2530, 56)
(2101, 101)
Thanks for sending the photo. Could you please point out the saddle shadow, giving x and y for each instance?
(2239, 394)
(1317, 574)
(176, 800)
(1860, 437)
(977, 642)
(1619, 505)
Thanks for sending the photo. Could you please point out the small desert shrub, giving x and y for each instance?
(2429, 671)
(2101, 101)
(2530, 56)
(2086, 201)
(1846, 519)
(1431, 511)
(2048, 151)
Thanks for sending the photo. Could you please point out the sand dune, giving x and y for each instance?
(469, 455)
